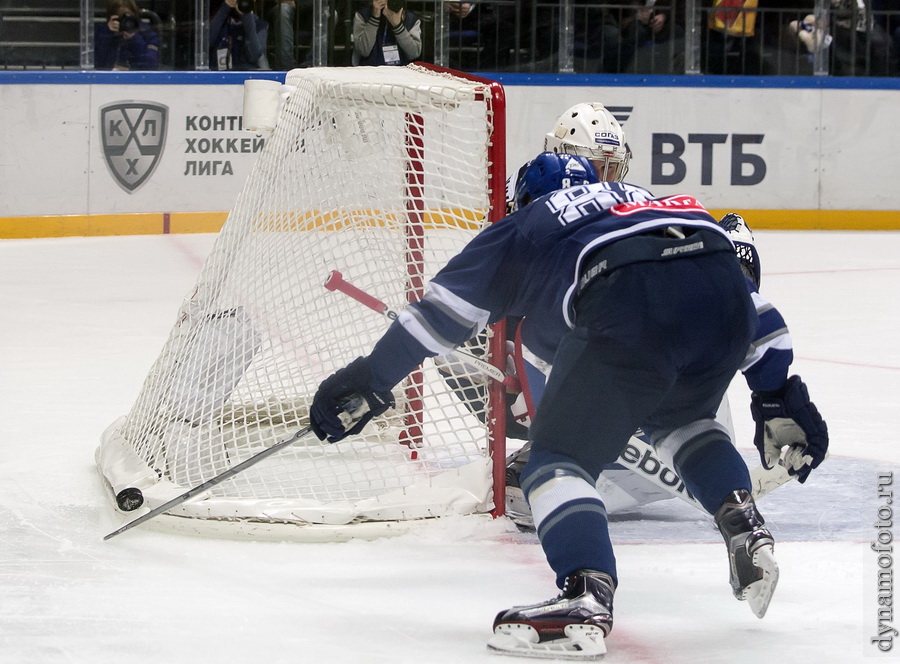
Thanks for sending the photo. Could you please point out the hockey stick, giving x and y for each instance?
(336, 282)
(762, 481)
(218, 479)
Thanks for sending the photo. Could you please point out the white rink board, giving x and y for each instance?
(64, 172)
(860, 150)
(46, 136)
(828, 149)
(852, 169)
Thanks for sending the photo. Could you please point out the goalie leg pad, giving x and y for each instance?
(517, 507)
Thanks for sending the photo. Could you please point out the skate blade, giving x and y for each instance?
(580, 643)
(759, 593)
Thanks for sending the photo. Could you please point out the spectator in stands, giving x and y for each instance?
(290, 34)
(237, 37)
(887, 16)
(598, 38)
(644, 31)
(473, 36)
(125, 42)
(732, 45)
(501, 30)
(386, 33)
(810, 35)
(860, 46)
(646, 22)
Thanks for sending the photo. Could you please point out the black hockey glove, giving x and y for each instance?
(787, 418)
(345, 402)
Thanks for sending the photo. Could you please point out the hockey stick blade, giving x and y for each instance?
(763, 480)
(218, 479)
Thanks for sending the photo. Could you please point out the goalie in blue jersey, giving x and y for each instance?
(641, 307)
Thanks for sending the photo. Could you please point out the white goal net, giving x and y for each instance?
(379, 174)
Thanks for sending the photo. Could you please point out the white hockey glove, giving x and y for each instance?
(789, 428)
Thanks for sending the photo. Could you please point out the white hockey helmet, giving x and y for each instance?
(591, 131)
(744, 245)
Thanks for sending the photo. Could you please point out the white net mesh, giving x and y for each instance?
(381, 174)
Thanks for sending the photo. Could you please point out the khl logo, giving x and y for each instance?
(134, 136)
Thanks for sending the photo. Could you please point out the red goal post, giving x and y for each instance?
(493, 92)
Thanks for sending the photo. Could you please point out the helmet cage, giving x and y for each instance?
(744, 245)
(749, 258)
(611, 165)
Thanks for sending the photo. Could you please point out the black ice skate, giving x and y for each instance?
(754, 573)
(517, 508)
(571, 626)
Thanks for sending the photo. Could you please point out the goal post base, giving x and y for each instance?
(444, 493)
(443, 527)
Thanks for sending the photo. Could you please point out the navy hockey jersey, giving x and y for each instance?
(528, 264)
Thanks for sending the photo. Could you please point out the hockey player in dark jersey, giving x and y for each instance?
(645, 315)
(638, 477)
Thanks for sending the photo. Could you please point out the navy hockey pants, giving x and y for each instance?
(655, 346)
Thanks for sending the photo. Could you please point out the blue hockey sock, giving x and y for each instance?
(569, 516)
(711, 468)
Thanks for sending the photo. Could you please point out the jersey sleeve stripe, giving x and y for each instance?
(442, 320)
(463, 312)
(455, 308)
(422, 331)
(771, 352)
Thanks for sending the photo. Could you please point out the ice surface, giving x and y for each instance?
(81, 321)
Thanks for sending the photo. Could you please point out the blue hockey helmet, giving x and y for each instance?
(549, 172)
(744, 245)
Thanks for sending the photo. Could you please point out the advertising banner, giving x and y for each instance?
(110, 149)
(730, 147)
(104, 151)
